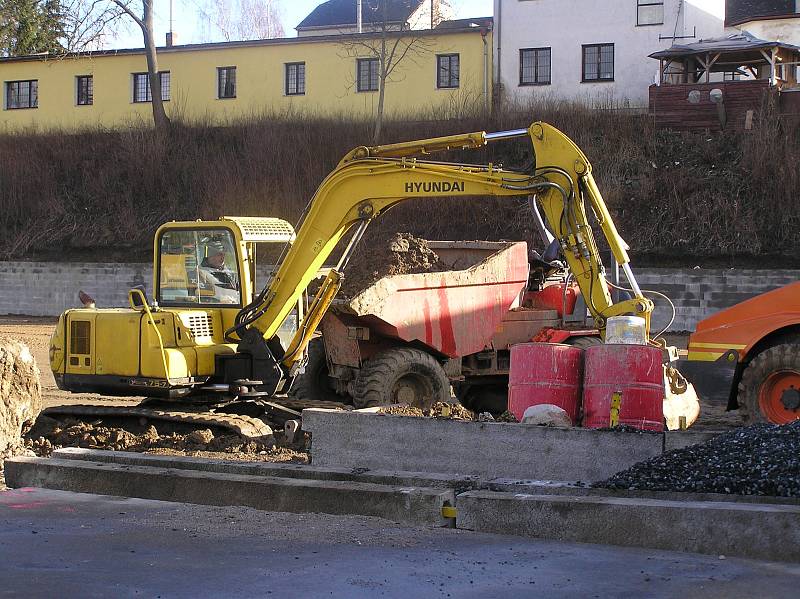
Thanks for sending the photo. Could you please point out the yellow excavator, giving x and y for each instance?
(207, 331)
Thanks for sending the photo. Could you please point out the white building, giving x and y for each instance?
(777, 20)
(336, 17)
(595, 51)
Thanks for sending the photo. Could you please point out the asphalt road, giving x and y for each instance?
(58, 544)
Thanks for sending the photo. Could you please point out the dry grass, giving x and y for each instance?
(677, 197)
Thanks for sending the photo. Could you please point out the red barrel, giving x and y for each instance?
(636, 373)
(545, 373)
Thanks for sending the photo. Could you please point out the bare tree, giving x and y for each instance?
(391, 44)
(88, 23)
(145, 23)
(243, 19)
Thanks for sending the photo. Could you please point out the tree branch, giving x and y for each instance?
(124, 6)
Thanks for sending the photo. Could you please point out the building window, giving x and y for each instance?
(295, 78)
(649, 12)
(85, 86)
(141, 87)
(534, 66)
(447, 70)
(368, 74)
(22, 94)
(598, 62)
(226, 82)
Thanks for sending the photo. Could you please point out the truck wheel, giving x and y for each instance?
(401, 376)
(770, 387)
(314, 383)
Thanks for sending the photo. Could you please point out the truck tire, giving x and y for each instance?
(401, 376)
(315, 384)
(770, 387)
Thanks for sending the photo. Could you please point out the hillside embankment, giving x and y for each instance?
(709, 199)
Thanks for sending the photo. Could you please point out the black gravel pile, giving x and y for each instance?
(763, 459)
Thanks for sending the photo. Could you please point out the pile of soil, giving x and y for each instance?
(756, 460)
(441, 410)
(378, 257)
(20, 395)
(49, 434)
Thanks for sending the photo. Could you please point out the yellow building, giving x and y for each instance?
(445, 70)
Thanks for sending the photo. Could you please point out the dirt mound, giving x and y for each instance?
(755, 460)
(49, 434)
(378, 257)
(440, 409)
(20, 395)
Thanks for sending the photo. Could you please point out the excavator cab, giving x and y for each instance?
(204, 273)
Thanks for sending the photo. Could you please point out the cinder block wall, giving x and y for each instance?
(698, 293)
(48, 288)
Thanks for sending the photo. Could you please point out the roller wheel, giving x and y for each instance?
(770, 387)
(401, 376)
(314, 383)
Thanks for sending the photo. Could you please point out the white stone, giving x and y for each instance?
(546, 415)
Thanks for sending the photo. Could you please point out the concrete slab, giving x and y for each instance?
(761, 531)
(549, 487)
(411, 505)
(394, 478)
(484, 449)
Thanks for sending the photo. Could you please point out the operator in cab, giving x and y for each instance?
(216, 275)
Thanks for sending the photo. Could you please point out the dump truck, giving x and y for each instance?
(748, 355)
(407, 338)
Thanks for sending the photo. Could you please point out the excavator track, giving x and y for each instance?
(248, 419)
(246, 426)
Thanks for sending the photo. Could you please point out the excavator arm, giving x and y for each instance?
(370, 180)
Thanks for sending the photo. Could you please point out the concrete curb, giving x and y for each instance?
(409, 505)
(758, 531)
(393, 478)
(484, 449)
(752, 527)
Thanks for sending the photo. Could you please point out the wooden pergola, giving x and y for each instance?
(741, 54)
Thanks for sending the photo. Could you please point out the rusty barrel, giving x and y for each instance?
(545, 373)
(636, 373)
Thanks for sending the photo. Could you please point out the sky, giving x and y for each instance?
(188, 21)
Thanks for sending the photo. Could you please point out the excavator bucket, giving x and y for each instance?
(681, 403)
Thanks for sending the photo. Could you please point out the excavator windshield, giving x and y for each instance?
(198, 267)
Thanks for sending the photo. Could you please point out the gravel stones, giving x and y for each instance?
(762, 459)
(20, 395)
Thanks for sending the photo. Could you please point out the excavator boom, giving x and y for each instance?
(369, 181)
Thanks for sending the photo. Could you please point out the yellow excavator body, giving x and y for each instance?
(171, 348)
